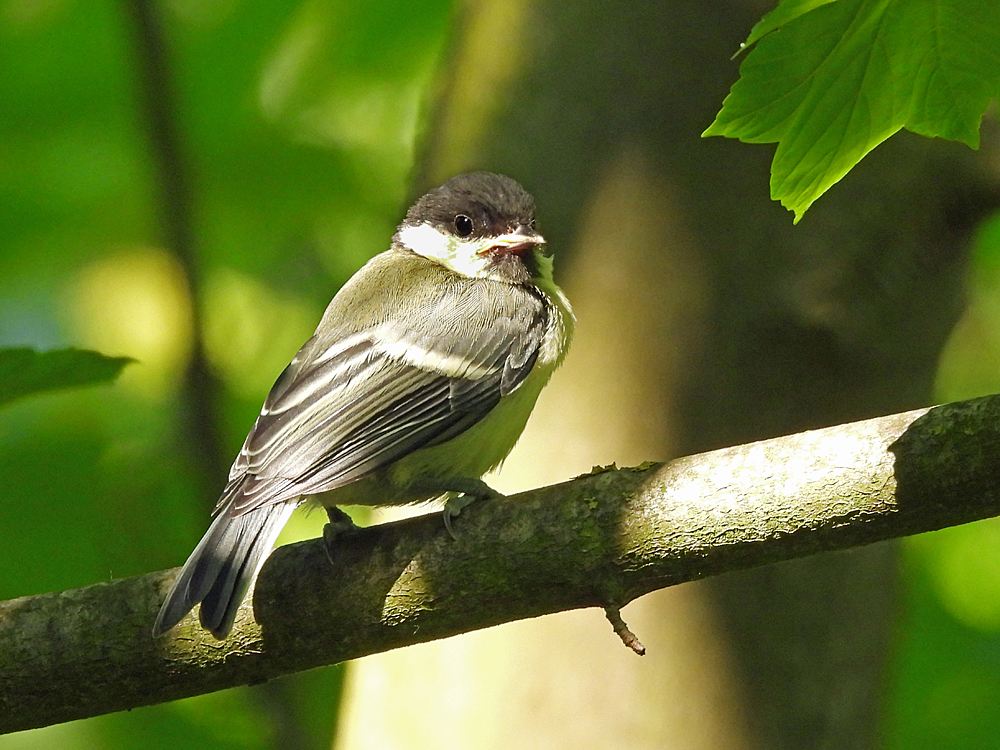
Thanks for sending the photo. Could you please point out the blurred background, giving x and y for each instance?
(188, 182)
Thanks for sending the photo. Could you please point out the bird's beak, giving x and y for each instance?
(515, 242)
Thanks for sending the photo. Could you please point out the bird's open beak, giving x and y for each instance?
(516, 242)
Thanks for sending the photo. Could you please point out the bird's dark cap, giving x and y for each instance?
(495, 203)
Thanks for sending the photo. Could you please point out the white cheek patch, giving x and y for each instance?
(460, 256)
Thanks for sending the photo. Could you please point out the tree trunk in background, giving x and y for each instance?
(705, 319)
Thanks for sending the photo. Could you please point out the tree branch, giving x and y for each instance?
(600, 540)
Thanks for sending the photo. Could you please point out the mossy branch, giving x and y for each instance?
(597, 541)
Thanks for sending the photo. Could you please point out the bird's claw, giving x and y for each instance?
(338, 526)
(453, 507)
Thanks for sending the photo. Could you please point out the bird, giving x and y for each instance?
(418, 380)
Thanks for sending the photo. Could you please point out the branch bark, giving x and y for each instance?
(600, 540)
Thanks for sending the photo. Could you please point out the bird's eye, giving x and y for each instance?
(463, 225)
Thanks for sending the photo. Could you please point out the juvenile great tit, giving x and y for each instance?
(418, 380)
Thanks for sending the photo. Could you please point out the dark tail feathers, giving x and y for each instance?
(219, 571)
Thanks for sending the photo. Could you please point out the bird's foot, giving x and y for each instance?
(339, 525)
(471, 490)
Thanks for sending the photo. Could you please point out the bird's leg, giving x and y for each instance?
(460, 491)
(339, 525)
(471, 490)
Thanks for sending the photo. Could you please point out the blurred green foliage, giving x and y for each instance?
(24, 372)
(298, 121)
(946, 680)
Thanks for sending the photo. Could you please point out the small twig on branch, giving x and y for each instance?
(614, 615)
(87, 651)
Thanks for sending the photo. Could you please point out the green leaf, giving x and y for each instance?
(948, 51)
(789, 10)
(832, 81)
(24, 371)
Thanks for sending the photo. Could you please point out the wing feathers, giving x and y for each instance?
(345, 408)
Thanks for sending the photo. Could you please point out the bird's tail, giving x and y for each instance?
(219, 571)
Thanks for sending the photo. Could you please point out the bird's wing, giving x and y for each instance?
(345, 409)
